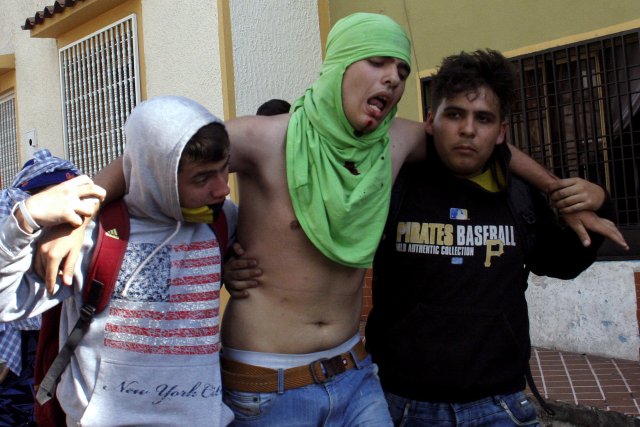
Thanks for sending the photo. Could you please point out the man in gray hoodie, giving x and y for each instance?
(152, 356)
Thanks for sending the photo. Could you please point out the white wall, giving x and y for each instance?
(182, 50)
(594, 313)
(276, 50)
(37, 77)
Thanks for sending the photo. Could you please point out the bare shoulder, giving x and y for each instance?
(254, 138)
(407, 140)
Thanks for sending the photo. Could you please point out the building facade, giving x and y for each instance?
(71, 70)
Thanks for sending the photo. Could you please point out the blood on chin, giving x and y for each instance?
(367, 128)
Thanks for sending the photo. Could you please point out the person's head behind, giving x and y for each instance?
(203, 171)
(37, 174)
(471, 97)
(273, 107)
(42, 171)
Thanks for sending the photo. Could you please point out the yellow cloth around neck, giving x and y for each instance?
(203, 214)
(493, 179)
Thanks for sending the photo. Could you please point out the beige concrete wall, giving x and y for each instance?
(182, 50)
(594, 313)
(276, 50)
(37, 78)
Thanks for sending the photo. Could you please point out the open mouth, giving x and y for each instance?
(378, 102)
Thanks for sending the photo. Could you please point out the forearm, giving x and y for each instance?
(24, 295)
(111, 178)
(16, 289)
(530, 170)
(15, 248)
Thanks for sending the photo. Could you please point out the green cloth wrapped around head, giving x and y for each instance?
(342, 211)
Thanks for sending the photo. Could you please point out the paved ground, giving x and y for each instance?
(588, 390)
(604, 383)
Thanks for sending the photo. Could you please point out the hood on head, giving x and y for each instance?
(362, 35)
(156, 133)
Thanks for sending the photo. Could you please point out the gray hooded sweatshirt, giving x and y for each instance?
(151, 358)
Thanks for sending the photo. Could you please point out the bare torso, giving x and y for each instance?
(305, 302)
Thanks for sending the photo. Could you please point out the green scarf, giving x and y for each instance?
(341, 213)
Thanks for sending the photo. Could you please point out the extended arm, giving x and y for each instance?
(578, 198)
(530, 170)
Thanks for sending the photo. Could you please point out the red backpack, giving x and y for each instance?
(110, 246)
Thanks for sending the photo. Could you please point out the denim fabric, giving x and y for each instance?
(16, 391)
(496, 411)
(353, 398)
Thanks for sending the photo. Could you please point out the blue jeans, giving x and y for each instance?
(499, 411)
(353, 398)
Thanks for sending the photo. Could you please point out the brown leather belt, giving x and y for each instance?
(240, 376)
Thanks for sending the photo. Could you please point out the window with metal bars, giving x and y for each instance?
(9, 165)
(100, 86)
(577, 113)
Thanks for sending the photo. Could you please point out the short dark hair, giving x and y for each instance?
(468, 71)
(210, 144)
(273, 107)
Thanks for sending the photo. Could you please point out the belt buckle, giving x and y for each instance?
(328, 367)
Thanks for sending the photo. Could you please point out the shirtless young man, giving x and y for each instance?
(314, 197)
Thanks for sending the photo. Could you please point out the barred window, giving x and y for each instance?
(100, 86)
(9, 165)
(577, 114)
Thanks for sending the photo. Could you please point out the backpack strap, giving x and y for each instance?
(109, 249)
(224, 227)
(111, 244)
(220, 229)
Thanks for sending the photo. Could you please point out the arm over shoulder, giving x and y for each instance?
(408, 142)
(254, 138)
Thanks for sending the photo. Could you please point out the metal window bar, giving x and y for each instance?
(9, 162)
(100, 86)
(581, 84)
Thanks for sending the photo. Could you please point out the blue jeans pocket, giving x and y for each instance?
(520, 409)
(247, 406)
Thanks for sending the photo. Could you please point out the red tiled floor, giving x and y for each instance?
(608, 384)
